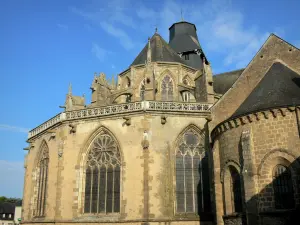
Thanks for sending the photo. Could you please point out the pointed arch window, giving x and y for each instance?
(42, 180)
(283, 188)
(102, 180)
(235, 189)
(190, 176)
(167, 89)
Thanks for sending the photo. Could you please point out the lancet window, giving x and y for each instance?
(167, 89)
(235, 189)
(283, 188)
(102, 178)
(190, 177)
(42, 180)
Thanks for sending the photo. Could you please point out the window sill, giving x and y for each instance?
(203, 216)
(277, 212)
(233, 215)
(99, 217)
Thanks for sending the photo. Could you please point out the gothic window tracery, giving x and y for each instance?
(103, 172)
(190, 178)
(283, 188)
(167, 89)
(42, 180)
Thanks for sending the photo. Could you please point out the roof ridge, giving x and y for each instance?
(161, 51)
(232, 71)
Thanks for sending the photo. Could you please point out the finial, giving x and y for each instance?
(70, 89)
(149, 52)
(156, 30)
(181, 15)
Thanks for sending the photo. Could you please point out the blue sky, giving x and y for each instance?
(45, 45)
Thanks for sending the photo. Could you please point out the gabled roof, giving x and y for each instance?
(160, 52)
(223, 81)
(278, 88)
(272, 51)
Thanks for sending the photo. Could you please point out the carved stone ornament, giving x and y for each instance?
(145, 141)
(73, 128)
(163, 120)
(127, 121)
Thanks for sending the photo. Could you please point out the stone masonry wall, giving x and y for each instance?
(274, 138)
(65, 193)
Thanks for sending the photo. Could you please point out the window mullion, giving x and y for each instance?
(39, 190)
(91, 196)
(45, 186)
(184, 183)
(98, 189)
(193, 184)
(201, 181)
(113, 190)
(105, 190)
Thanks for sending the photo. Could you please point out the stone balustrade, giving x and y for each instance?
(186, 107)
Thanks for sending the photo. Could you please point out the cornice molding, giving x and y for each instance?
(250, 118)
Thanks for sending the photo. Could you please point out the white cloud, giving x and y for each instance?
(13, 128)
(222, 30)
(109, 18)
(62, 26)
(124, 39)
(12, 178)
(99, 52)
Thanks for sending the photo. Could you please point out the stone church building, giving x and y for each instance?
(169, 142)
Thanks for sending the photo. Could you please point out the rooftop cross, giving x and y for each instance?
(181, 15)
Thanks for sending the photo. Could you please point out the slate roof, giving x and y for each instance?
(184, 38)
(184, 43)
(222, 82)
(160, 51)
(7, 208)
(280, 87)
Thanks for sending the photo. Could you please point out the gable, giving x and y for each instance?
(273, 50)
(279, 87)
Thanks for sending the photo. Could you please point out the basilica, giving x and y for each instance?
(170, 142)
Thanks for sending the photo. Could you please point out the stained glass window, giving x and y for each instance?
(190, 176)
(42, 179)
(102, 186)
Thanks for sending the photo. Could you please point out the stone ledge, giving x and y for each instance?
(120, 109)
